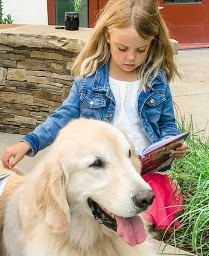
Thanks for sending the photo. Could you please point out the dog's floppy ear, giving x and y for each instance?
(135, 159)
(51, 198)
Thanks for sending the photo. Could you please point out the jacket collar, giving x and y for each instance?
(101, 80)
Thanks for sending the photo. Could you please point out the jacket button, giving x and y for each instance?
(152, 101)
(91, 103)
(110, 115)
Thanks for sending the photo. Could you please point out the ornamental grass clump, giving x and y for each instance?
(192, 174)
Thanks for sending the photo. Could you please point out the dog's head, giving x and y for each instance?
(93, 166)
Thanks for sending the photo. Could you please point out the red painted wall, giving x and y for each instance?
(51, 12)
(188, 23)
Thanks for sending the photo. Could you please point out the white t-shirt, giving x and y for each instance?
(126, 111)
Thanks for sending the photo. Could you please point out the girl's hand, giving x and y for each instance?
(13, 154)
(180, 151)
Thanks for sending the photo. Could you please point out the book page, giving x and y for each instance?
(180, 137)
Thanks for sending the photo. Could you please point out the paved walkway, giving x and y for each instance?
(191, 94)
(167, 250)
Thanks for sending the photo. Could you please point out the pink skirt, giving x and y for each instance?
(167, 203)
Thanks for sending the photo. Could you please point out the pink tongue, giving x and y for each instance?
(131, 230)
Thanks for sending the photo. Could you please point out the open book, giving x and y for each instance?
(3, 179)
(156, 157)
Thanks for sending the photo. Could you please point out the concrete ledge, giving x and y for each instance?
(47, 36)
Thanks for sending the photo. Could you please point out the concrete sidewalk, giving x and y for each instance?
(191, 94)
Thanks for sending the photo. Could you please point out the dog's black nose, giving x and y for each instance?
(143, 199)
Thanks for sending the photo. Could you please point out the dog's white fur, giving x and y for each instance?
(49, 214)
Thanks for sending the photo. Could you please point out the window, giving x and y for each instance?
(63, 6)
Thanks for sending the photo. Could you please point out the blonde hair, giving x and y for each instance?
(145, 18)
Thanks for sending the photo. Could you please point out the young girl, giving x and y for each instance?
(123, 75)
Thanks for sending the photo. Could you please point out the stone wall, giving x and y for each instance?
(33, 83)
(35, 73)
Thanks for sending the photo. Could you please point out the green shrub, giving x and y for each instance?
(77, 5)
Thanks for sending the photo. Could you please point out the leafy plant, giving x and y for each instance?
(8, 19)
(1, 10)
(77, 5)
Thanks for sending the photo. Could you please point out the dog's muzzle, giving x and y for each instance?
(131, 229)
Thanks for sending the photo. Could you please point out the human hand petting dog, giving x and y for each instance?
(13, 154)
(180, 151)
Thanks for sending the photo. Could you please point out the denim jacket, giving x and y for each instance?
(91, 97)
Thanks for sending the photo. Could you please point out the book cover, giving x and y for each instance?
(3, 179)
(156, 157)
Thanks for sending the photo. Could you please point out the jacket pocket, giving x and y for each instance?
(156, 99)
(153, 106)
(92, 105)
(92, 101)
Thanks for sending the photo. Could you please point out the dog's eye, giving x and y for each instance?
(129, 153)
(97, 163)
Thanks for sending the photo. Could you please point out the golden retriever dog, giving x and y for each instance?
(83, 199)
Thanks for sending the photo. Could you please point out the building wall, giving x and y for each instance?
(26, 11)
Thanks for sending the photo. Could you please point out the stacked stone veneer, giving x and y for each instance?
(33, 83)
